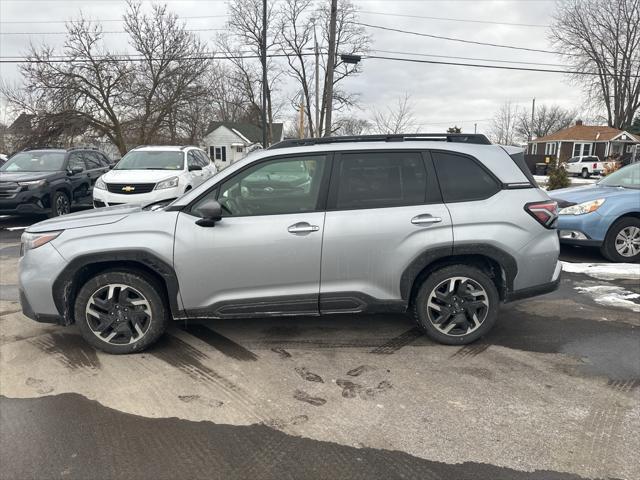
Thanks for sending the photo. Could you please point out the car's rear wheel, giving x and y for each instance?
(121, 312)
(622, 243)
(456, 305)
(60, 204)
(585, 173)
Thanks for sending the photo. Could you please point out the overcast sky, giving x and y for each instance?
(442, 95)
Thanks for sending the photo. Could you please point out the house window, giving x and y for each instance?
(239, 149)
(534, 148)
(220, 153)
(550, 149)
(581, 149)
(629, 148)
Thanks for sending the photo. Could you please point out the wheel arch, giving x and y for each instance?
(68, 283)
(496, 263)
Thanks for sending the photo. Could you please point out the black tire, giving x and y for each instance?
(608, 248)
(585, 173)
(464, 302)
(60, 204)
(140, 286)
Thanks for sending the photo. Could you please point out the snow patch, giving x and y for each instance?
(612, 296)
(604, 271)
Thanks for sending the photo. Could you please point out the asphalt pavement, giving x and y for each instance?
(553, 392)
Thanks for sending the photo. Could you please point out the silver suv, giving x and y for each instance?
(443, 226)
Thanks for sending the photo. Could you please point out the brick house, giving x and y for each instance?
(581, 139)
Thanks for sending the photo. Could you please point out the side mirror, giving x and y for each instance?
(193, 168)
(76, 170)
(210, 211)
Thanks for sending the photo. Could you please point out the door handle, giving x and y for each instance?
(425, 219)
(302, 227)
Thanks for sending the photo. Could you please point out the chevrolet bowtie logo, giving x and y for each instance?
(128, 189)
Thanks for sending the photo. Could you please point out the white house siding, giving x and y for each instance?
(224, 137)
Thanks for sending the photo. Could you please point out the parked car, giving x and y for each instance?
(153, 173)
(605, 215)
(3, 159)
(443, 226)
(49, 181)
(585, 166)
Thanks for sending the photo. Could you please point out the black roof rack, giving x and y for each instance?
(44, 147)
(475, 138)
(83, 148)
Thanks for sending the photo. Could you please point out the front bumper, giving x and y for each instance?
(26, 202)
(37, 270)
(104, 198)
(587, 229)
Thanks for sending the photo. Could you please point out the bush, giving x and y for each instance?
(558, 177)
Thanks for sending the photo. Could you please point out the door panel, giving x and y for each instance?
(263, 256)
(249, 266)
(384, 210)
(367, 250)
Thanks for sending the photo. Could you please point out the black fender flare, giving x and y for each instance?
(65, 286)
(430, 256)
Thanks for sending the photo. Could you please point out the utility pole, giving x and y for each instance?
(533, 110)
(475, 128)
(317, 52)
(301, 118)
(331, 60)
(263, 55)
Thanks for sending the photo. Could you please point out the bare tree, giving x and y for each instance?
(127, 100)
(503, 128)
(603, 37)
(399, 118)
(297, 24)
(348, 125)
(245, 27)
(546, 120)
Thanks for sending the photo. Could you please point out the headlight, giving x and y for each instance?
(33, 184)
(168, 183)
(35, 240)
(100, 184)
(582, 208)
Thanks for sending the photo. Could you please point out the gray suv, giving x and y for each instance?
(443, 226)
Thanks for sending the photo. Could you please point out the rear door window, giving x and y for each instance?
(462, 178)
(378, 180)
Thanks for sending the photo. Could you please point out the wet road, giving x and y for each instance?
(552, 393)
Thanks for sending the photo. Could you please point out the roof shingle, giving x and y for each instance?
(589, 133)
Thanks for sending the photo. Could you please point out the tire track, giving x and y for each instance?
(70, 350)
(398, 342)
(189, 360)
(597, 445)
(472, 350)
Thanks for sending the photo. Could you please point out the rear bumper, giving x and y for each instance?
(536, 290)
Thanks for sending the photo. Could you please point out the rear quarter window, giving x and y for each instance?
(462, 178)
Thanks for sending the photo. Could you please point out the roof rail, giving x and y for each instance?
(44, 147)
(475, 138)
(83, 148)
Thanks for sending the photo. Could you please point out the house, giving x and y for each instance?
(580, 139)
(228, 142)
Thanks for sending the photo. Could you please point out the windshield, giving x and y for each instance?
(151, 160)
(35, 161)
(628, 177)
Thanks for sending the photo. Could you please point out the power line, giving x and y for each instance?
(380, 27)
(104, 20)
(499, 67)
(536, 25)
(469, 58)
(111, 32)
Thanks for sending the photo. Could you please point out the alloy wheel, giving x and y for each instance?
(62, 205)
(118, 314)
(627, 241)
(457, 306)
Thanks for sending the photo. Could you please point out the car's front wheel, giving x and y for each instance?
(60, 204)
(622, 243)
(456, 305)
(121, 312)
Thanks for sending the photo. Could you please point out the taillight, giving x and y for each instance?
(545, 213)
(595, 165)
